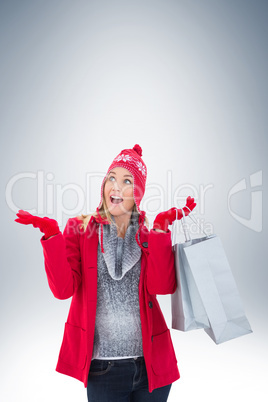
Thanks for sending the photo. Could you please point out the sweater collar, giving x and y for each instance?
(130, 252)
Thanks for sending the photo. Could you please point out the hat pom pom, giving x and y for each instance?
(137, 149)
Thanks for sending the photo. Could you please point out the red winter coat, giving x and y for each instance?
(71, 267)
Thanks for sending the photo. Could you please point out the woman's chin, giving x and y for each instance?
(117, 210)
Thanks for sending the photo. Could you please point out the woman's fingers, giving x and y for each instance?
(22, 212)
(24, 217)
(190, 203)
(23, 221)
(189, 200)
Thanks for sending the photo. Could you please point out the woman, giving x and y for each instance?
(115, 340)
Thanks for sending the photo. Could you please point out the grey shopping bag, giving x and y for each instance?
(188, 311)
(217, 289)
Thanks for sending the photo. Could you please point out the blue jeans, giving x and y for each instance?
(122, 381)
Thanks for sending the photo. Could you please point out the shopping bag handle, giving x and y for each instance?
(192, 217)
(184, 226)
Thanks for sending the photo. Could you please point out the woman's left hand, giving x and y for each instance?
(166, 218)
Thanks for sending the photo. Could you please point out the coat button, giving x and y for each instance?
(145, 244)
(150, 304)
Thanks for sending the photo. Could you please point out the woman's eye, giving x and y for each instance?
(112, 178)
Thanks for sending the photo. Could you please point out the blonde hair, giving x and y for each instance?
(105, 214)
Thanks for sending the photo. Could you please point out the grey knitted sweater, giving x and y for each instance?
(118, 325)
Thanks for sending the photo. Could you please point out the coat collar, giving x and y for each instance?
(141, 235)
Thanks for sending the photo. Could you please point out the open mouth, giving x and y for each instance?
(116, 200)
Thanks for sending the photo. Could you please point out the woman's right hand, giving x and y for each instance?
(46, 225)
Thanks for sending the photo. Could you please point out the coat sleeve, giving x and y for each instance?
(63, 260)
(161, 274)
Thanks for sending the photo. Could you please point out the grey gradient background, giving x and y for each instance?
(81, 80)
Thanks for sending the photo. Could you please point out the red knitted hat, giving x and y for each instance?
(130, 159)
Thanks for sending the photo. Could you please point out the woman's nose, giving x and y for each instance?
(116, 185)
